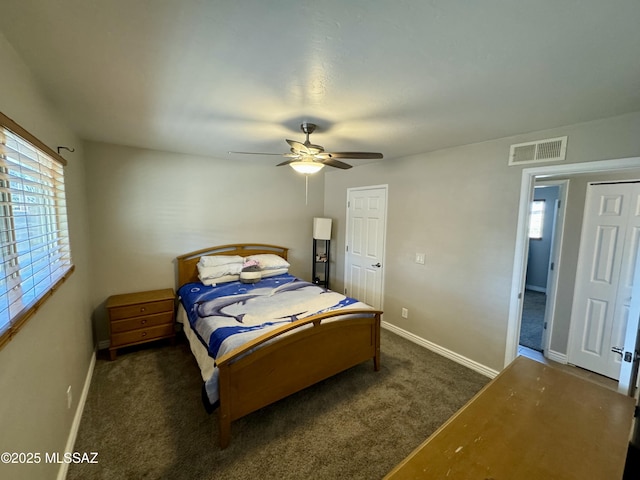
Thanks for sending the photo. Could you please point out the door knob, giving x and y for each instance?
(618, 350)
(377, 265)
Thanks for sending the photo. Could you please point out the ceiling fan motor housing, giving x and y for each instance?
(308, 127)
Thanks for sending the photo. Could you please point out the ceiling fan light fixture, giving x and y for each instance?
(307, 168)
(307, 158)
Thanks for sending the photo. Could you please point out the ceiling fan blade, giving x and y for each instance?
(286, 162)
(363, 155)
(297, 147)
(253, 153)
(314, 149)
(336, 163)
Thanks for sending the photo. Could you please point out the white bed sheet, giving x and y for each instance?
(205, 362)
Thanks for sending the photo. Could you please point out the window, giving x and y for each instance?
(34, 240)
(536, 219)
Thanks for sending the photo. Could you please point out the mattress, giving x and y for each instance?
(205, 362)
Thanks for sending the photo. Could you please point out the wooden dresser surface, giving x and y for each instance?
(531, 422)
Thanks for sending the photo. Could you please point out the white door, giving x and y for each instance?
(629, 367)
(364, 256)
(606, 266)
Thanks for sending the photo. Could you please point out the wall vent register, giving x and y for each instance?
(548, 150)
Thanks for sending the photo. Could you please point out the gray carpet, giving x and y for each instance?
(532, 319)
(145, 418)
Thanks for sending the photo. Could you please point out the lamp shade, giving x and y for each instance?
(306, 167)
(322, 228)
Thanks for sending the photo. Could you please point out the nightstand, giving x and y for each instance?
(140, 317)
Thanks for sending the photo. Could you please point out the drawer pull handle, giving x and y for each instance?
(143, 322)
(142, 309)
(144, 334)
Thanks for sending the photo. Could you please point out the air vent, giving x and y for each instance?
(549, 150)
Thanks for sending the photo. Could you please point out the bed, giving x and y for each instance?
(293, 347)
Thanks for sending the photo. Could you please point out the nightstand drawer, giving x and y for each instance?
(136, 323)
(117, 313)
(142, 335)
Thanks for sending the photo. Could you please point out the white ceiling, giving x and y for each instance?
(395, 76)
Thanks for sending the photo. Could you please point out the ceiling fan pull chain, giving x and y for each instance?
(306, 189)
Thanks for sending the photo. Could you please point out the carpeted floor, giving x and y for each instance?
(532, 324)
(145, 419)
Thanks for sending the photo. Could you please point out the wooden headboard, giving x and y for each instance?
(188, 272)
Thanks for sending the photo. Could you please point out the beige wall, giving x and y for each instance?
(55, 348)
(148, 206)
(459, 206)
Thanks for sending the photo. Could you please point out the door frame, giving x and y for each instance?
(384, 187)
(555, 255)
(527, 183)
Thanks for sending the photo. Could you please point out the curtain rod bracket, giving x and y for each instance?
(61, 147)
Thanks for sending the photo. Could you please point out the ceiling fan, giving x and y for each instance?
(308, 158)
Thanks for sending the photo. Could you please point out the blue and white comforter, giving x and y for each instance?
(227, 316)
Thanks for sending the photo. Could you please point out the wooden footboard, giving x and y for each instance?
(292, 358)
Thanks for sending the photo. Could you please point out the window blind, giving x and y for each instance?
(35, 254)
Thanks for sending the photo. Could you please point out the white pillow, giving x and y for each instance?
(212, 282)
(269, 261)
(273, 272)
(217, 260)
(218, 271)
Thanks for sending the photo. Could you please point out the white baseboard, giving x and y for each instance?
(451, 355)
(557, 357)
(75, 426)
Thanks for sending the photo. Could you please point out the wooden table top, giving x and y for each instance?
(530, 422)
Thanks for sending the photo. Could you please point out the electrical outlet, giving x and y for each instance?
(69, 397)
(405, 313)
(420, 258)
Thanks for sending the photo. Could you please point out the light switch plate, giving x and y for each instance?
(420, 258)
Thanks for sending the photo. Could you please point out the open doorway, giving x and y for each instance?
(543, 220)
(530, 178)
